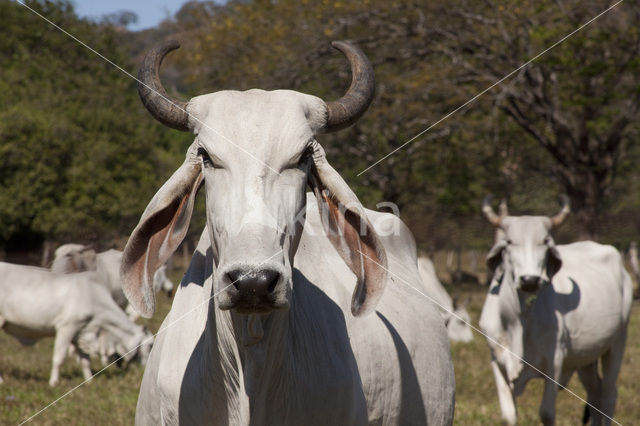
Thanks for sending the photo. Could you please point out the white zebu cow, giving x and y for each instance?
(73, 258)
(560, 308)
(264, 328)
(79, 258)
(455, 315)
(38, 303)
(108, 270)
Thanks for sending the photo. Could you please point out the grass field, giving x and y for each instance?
(110, 398)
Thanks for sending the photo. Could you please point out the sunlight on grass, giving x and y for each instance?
(113, 394)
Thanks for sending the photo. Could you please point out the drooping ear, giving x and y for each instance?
(161, 229)
(349, 230)
(553, 260)
(494, 258)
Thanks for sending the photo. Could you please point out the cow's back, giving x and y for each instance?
(39, 300)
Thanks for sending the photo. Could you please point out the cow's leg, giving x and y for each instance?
(548, 407)
(593, 385)
(547, 410)
(64, 336)
(505, 396)
(611, 363)
(85, 364)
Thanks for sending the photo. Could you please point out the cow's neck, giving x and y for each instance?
(250, 352)
(510, 312)
(518, 319)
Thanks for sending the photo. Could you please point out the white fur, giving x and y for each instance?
(311, 361)
(456, 318)
(572, 324)
(38, 303)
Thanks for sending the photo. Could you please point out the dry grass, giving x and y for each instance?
(111, 397)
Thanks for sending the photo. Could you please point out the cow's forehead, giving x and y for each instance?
(256, 120)
(526, 228)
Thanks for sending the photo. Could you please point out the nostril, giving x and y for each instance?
(262, 281)
(234, 277)
(271, 278)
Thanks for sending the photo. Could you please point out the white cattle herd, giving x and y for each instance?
(298, 308)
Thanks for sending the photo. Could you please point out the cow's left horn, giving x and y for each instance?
(564, 211)
(491, 216)
(348, 109)
(169, 112)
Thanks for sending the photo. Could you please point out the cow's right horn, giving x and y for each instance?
(169, 112)
(491, 216)
(564, 211)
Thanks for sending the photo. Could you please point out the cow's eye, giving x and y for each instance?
(204, 156)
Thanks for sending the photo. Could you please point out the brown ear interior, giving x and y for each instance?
(152, 243)
(357, 249)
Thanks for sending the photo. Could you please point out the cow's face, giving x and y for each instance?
(527, 252)
(255, 152)
(255, 166)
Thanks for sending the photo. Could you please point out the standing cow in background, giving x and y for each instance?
(455, 315)
(281, 317)
(560, 308)
(79, 258)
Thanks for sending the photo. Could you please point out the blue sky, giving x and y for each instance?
(150, 12)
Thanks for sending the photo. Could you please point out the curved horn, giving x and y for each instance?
(348, 109)
(491, 216)
(166, 110)
(503, 208)
(564, 211)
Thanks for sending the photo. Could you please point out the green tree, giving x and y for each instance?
(579, 102)
(79, 156)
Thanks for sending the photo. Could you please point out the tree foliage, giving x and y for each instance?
(79, 156)
(564, 123)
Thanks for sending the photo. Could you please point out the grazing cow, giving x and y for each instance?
(264, 328)
(560, 308)
(79, 258)
(101, 343)
(455, 315)
(38, 303)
